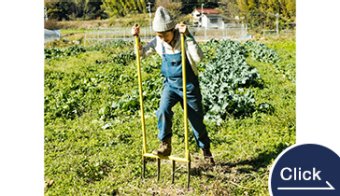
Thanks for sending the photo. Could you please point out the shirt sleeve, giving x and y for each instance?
(149, 48)
(193, 49)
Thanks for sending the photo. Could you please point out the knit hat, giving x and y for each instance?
(163, 20)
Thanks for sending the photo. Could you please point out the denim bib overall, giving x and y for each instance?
(173, 92)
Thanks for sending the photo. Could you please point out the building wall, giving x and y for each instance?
(207, 20)
(212, 21)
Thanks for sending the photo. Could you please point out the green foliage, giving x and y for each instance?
(257, 14)
(287, 64)
(260, 52)
(112, 44)
(93, 171)
(97, 149)
(59, 10)
(227, 77)
(72, 9)
(266, 108)
(174, 7)
(152, 92)
(124, 58)
(63, 101)
(224, 82)
(128, 104)
(116, 52)
(122, 8)
(53, 53)
(261, 13)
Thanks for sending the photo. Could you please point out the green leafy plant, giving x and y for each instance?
(260, 52)
(224, 81)
(97, 150)
(54, 53)
(124, 58)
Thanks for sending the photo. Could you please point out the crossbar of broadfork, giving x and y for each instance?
(145, 154)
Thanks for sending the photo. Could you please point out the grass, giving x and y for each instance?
(88, 156)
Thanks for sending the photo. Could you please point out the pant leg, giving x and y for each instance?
(164, 114)
(195, 115)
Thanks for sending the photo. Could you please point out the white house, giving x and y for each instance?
(207, 18)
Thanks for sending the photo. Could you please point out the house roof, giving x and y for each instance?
(207, 11)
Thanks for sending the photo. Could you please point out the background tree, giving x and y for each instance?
(174, 7)
(59, 10)
(255, 13)
(122, 8)
(260, 13)
(72, 9)
(188, 6)
(288, 8)
(94, 10)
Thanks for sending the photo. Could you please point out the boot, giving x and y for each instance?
(164, 148)
(208, 156)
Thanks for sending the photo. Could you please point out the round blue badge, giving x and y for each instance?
(307, 169)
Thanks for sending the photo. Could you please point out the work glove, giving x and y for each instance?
(182, 28)
(135, 30)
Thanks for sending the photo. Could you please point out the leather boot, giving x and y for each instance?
(208, 156)
(164, 148)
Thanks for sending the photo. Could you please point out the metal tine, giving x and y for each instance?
(173, 171)
(158, 169)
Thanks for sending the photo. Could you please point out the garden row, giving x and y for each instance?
(225, 78)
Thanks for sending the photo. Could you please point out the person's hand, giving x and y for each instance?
(182, 28)
(135, 30)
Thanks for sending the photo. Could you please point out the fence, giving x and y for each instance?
(229, 31)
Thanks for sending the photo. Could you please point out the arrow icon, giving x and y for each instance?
(328, 188)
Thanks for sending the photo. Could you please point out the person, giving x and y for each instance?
(168, 45)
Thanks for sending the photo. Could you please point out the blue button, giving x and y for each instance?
(307, 169)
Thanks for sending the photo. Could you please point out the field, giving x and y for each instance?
(93, 138)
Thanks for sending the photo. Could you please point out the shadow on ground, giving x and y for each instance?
(262, 160)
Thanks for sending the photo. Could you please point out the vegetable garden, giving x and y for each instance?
(92, 124)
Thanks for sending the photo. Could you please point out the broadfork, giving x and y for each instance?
(145, 154)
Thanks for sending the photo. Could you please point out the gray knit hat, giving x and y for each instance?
(163, 20)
